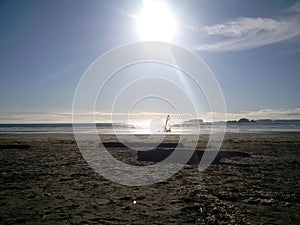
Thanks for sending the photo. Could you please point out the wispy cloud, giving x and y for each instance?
(247, 33)
(294, 8)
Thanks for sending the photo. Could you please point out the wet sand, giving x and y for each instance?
(50, 183)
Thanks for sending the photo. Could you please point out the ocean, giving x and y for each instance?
(109, 128)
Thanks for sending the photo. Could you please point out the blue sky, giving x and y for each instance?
(253, 48)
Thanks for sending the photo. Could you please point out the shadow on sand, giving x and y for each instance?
(163, 150)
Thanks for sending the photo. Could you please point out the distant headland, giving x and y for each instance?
(239, 121)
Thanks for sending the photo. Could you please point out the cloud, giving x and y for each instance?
(33, 116)
(246, 33)
(293, 113)
(275, 114)
(55, 116)
(23, 116)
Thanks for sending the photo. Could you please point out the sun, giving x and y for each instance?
(156, 22)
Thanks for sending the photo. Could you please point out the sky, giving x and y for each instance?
(252, 47)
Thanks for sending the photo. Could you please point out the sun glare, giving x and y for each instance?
(156, 22)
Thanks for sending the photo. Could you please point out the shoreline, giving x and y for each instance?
(156, 134)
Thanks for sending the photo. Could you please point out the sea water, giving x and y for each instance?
(109, 128)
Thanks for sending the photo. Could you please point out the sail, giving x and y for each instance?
(168, 124)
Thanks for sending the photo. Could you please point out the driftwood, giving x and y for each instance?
(14, 146)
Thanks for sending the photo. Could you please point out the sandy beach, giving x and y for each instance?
(50, 183)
